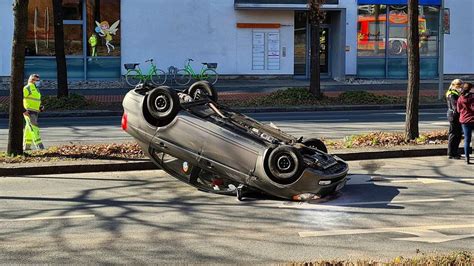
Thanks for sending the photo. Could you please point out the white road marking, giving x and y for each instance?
(394, 202)
(48, 218)
(440, 123)
(430, 236)
(365, 179)
(424, 113)
(309, 121)
(424, 233)
(310, 206)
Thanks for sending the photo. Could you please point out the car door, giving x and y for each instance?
(229, 151)
(208, 145)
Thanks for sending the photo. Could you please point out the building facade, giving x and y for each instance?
(359, 38)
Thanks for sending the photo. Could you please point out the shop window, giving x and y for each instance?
(40, 35)
(383, 41)
(429, 31)
(72, 9)
(103, 27)
(371, 30)
(102, 20)
(73, 41)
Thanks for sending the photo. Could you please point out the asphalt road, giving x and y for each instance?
(389, 208)
(330, 125)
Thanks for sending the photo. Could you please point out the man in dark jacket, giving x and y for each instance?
(455, 129)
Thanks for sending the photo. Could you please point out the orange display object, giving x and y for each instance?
(258, 25)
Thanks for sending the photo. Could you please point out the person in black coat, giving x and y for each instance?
(455, 129)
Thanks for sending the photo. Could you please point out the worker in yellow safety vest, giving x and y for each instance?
(455, 128)
(32, 105)
(424, 41)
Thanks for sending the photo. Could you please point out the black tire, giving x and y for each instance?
(285, 164)
(163, 103)
(396, 48)
(202, 89)
(316, 143)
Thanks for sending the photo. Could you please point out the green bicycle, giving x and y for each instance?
(135, 76)
(208, 73)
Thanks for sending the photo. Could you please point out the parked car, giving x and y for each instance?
(195, 139)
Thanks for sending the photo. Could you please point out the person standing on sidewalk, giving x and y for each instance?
(466, 116)
(455, 129)
(32, 105)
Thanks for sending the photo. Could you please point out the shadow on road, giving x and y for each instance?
(134, 213)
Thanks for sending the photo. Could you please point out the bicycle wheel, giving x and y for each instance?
(159, 77)
(133, 78)
(210, 75)
(182, 77)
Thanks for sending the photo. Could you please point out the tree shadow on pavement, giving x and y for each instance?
(132, 218)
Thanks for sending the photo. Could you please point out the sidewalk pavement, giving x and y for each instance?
(244, 86)
(87, 166)
(245, 89)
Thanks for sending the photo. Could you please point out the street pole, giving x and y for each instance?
(441, 53)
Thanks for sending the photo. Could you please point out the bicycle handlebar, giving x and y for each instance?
(149, 60)
(191, 60)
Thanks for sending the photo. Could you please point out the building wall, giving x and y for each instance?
(203, 30)
(459, 45)
(6, 33)
(350, 7)
(244, 40)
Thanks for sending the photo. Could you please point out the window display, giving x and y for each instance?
(103, 27)
(383, 40)
(91, 29)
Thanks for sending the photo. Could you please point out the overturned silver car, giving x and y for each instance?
(207, 145)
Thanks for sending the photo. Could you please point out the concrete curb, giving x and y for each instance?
(334, 108)
(82, 168)
(148, 165)
(97, 113)
(373, 155)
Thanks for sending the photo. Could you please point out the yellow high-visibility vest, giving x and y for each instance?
(31, 98)
(452, 92)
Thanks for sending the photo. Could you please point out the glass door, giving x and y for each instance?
(302, 46)
(324, 50)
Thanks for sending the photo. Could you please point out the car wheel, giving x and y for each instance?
(285, 164)
(396, 48)
(202, 89)
(316, 143)
(163, 103)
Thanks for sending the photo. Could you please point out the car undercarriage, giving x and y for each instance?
(210, 146)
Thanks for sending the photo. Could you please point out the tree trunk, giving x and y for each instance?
(315, 69)
(59, 48)
(413, 95)
(15, 125)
